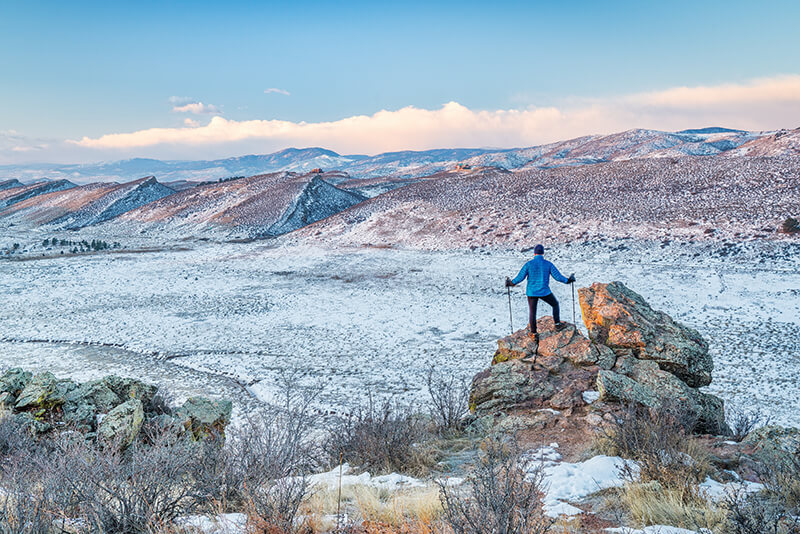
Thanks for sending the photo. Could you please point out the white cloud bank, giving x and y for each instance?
(762, 104)
(277, 91)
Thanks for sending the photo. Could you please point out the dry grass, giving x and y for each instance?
(375, 510)
(652, 504)
(661, 445)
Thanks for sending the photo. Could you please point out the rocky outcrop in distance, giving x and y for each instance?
(634, 355)
(112, 409)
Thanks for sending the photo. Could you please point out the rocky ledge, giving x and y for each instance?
(633, 355)
(112, 409)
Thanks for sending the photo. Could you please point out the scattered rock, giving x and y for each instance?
(770, 439)
(11, 385)
(204, 417)
(122, 424)
(130, 388)
(115, 408)
(42, 392)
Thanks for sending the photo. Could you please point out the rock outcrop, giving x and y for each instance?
(112, 408)
(617, 317)
(633, 354)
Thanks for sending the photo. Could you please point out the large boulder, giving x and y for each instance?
(643, 382)
(122, 424)
(205, 417)
(43, 392)
(552, 373)
(633, 355)
(621, 319)
(567, 344)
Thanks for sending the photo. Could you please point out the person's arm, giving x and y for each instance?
(558, 276)
(523, 273)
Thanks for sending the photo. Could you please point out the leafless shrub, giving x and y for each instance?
(758, 513)
(449, 397)
(503, 495)
(138, 490)
(660, 442)
(273, 508)
(780, 473)
(162, 403)
(743, 420)
(29, 499)
(382, 438)
(262, 466)
(14, 436)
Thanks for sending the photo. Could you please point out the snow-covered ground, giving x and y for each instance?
(230, 319)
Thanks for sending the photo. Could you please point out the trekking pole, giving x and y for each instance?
(510, 317)
(573, 306)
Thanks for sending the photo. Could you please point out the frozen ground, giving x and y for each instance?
(229, 319)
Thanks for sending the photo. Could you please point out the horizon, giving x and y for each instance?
(197, 81)
(488, 149)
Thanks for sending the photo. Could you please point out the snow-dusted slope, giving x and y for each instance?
(121, 200)
(621, 146)
(782, 143)
(12, 195)
(263, 205)
(688, 198)
(86, 205)
(8, 184)
(630, 144)
(317, 200)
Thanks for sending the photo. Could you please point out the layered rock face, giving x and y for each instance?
(633, 354)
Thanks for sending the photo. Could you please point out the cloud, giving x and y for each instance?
(278, 91)
(759, 104)
(197, 108)
(762, 104)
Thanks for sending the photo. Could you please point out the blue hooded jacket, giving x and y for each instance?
(538, 272)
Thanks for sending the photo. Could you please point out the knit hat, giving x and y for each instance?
(538, 249)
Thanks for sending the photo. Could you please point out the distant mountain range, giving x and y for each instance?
(450, 197)
(630, 144)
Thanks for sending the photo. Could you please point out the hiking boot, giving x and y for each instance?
(560, 326)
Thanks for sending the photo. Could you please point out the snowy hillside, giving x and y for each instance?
(76, 207)
(656, 198)
(262, 205)
(14, 194)
(637, 143)
(7, 184)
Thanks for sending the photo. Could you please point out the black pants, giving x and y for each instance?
(533, 301)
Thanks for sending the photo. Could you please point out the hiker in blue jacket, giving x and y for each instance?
(538, 272)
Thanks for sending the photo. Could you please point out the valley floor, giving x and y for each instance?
(232, 319)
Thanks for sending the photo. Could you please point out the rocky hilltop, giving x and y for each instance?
(633, 355)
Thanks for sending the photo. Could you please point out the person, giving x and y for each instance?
(538, 272)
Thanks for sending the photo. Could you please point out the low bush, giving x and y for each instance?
(381, 438)
(660, 441)
(449, 401)
(502, 496)
(743, 420)
(776, 509)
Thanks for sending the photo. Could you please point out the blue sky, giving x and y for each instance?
(75, 70)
